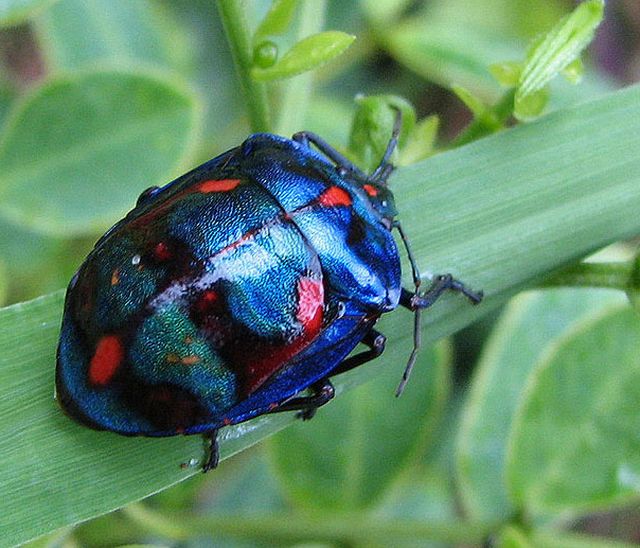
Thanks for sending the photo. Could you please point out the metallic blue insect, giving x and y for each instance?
(229, 292)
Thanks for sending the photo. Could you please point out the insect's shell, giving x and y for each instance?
(225, 292)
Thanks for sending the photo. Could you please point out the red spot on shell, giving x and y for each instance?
(334, 196)
(162, 252)
(207, 302)
(310, 304)
(192, 359)
(370, 190)
(106, 360)
(221, 185)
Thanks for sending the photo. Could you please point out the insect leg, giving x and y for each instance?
(416, 301)
(213, 456)
(307, 406)
(375, 341)
(440, 284)
(384, 169)
(308, 138)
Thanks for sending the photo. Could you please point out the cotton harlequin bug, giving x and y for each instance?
(230, 291)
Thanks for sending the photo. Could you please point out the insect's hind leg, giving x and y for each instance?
(213, 453)
(322, 393)
(375, 341)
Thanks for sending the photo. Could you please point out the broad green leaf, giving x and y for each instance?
(4, 281)
(424, 493)
(276, 21)
(15, 12)
(373, 125)
(574, 443)
(328, 463)
(310, 53)
(498, 213)
(558, 49)
(106, 134)
(79, 33)
(527, 326)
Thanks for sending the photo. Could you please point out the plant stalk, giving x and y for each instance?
(346, 529)
(610, 275)
(234, 21)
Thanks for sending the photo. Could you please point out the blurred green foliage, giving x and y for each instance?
(120, 96)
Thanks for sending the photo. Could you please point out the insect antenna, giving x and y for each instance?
(384, 169)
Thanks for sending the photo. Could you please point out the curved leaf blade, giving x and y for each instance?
(574, 445)
(527, 326)
(80, 33)
(104, 133)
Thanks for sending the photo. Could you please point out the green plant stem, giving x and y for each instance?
(235, 26)
(346, 529)
(615, 275)
(297, 91)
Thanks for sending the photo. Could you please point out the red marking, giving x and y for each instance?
(370, 190)
(334, 196)
(190, 360)
(207, 302)
(266, 361)
(160, 209)
(115, 277)
(222, 185)
(161, 252)
(310, 304)
(226, 421)
(106, 360)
